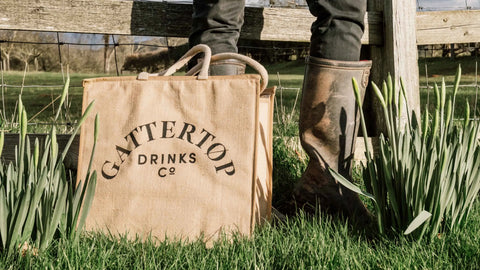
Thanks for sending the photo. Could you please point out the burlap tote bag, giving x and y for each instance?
(180, 157)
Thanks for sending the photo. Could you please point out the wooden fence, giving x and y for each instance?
(393, 27)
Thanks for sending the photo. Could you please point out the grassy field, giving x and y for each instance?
(301, 242)
(38, 92)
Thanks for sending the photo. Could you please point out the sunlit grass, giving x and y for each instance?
(301, 242)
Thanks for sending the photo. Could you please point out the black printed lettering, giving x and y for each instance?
(204, 139)
(187, 129)
(216, 151)
(142, 159)
(225, 167)
(181, 158)
(113, 170)
(122, 152)
(149, 130)
(193, 158)
(171, 158)
(166, 129)
(153, 159)
(132, 137)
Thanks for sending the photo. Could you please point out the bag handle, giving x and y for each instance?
(202, 67)
(225, 56)
(203, 75)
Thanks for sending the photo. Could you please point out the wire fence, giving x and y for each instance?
(63, 53)
(114, 55)
(431, 5)
(26, 55)
(438, 63)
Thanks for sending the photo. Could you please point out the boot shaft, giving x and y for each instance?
(328, 126)
(227, 67)
(329, 117)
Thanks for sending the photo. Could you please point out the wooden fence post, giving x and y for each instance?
(398, 55)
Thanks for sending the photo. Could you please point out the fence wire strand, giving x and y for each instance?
(450, 58)
(277, 51)
(272, 51)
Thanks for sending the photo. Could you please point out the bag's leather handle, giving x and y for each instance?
(202, 67)
(225, 56)
(203, 75)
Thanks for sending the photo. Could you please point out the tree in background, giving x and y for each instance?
(6, 48)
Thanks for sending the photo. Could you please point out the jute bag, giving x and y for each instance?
(180, 157)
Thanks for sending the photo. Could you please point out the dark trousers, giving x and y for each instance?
(217, 23)
(336, 33)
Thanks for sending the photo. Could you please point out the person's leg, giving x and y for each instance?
(217, 23)
(328, 122)
(338, 29)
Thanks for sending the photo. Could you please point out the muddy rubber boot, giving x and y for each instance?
(227, 67)
(328, 127)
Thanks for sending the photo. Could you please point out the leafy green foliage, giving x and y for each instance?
(38, 201)
(424, 180)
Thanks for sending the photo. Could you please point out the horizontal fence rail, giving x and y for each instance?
(11, 142)
(146, 18)
(444, 27)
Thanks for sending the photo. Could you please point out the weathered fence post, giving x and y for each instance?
(398, 54)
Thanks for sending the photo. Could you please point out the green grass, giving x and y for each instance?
(286, 74)
(300, 243)
(438, 68)
(445, 68)
(40, 100)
